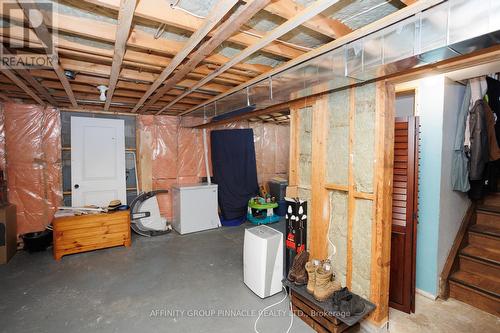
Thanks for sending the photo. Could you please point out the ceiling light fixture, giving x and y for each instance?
(102, 89)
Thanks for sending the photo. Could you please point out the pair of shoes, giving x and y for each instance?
(324, 284)
(348, 303)
(311, 267)
(297, 273)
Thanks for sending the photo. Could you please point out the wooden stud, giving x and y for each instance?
(351, 202)
(381, 230)
(125, 16)
(293, 172)
(320, 208)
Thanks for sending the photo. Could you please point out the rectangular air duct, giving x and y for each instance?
(450, 29)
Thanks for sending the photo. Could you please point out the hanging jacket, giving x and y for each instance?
(492, 140)
(479, 148)
(460, 171)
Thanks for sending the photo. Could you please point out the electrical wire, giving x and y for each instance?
(174, 6)
(328, 235)
(272, 305)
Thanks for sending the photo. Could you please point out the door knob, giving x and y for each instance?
(77, 186)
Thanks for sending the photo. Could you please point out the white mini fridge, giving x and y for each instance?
(195, 208)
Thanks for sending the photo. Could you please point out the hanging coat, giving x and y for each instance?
(460, 171)
(479, 147)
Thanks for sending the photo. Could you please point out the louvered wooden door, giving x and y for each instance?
(404, 215)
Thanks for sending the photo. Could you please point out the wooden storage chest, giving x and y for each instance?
(75, 234)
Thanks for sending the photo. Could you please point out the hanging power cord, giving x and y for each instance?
(272, 305)
(159, 31)
(328, 236)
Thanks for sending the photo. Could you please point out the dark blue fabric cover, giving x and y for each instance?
(235, 170)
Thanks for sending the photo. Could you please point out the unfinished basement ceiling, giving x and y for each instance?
(86, 41)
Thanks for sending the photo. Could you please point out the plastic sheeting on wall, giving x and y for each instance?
(33, 150)
(178, 157)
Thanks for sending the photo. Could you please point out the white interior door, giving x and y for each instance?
(97, 161)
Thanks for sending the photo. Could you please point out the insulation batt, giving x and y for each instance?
(33, 151)
(33, 168)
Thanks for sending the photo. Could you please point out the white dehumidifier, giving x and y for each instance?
(263, 260)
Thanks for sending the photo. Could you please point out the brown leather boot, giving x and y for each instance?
(325, 284)
(311, 267)
(297, 273)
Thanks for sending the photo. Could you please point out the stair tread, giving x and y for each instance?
(485, 229)
(489, 208)
(478, 282)
(483, 253)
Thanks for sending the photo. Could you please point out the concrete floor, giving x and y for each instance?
(154, 286)
(442, 317)
(170, 283)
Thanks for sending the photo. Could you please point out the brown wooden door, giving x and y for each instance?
(404, 215)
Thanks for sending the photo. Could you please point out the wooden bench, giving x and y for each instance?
(75, 234)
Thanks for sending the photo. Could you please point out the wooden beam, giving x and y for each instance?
(125, 16)
(351, 201)
(161, 12)
(221, 8)
(320, 23)
(45, 36)
(103, 31)
(232, 24)
(356, 34)
(381, 229)
(129, 74)
(31, 80)
(320, 205)
(289, 25)
(5, 98)
(8, 72)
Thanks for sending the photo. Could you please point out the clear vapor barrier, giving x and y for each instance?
(453, 28)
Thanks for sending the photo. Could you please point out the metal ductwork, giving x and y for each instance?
(450, 29)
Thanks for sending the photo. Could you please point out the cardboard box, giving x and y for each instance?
(8, 233)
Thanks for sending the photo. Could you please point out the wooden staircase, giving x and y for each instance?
(475, 272)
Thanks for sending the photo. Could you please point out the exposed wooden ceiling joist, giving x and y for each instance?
(289, 25)
(31, 80)
(322, 24)
(125, 16)
(220, 10)
(227, 28)
(45, 36)
(106, 32)
(10, 74)
(161, 12)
